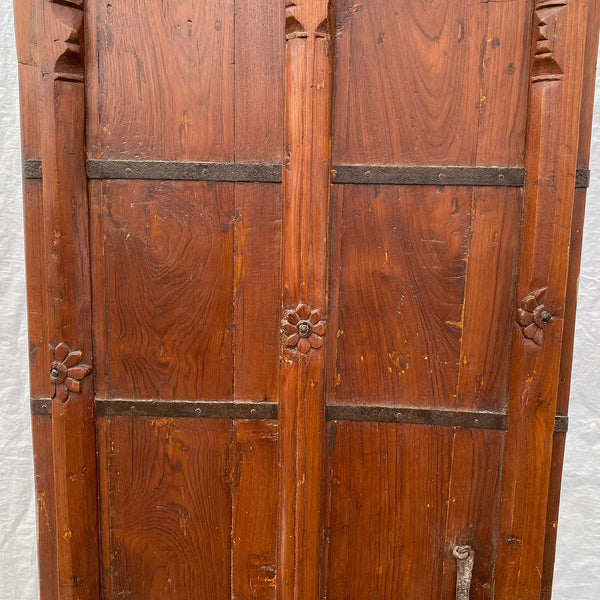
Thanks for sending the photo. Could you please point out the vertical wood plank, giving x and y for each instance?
(163, 271)
(256, 285)
(68, 314)
(308, 67)
(254, 511)
(166, 518)
(551, 160)
(45, 507)
(564, 384)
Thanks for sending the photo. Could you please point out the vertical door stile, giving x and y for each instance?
(551, 160)
(308, 72)
(69, 358)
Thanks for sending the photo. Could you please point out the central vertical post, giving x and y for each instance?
(304, 294)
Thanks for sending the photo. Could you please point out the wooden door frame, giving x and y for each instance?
(61, 260)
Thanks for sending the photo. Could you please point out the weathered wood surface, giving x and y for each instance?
(575, 244)
(551, 161)
(212, 291)
(68, 297)
(308, 75)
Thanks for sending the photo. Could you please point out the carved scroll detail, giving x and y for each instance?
(67, 371)
(66, 30)
(545, 66)
(303, 328)
(294, 28)
(533, 316)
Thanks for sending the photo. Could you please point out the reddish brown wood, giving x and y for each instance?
(557, 68)
(68, 314)
(401, 497)
(256, 286)
(164, 287)
(304, 282)
(166, 521)
(406, 298)
(461, 82)
(45, 507)
(255, 511)
(564, 384)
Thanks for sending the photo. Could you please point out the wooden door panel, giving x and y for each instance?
(166, 509)
(170, 114)
(401, 496)
(259, 173)
(417, 323)
(434, 83)
(254, 484)
(192, 75)
(256, 288)
(164, 291)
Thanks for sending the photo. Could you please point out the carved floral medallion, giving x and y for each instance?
(303, 328)
(67, 371)
(533, 316)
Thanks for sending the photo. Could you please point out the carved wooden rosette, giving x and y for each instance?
(65, 208)
(308, 72)
(551, 161)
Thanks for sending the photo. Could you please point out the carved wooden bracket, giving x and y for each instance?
(533, 316)
(67, 371)
(64, 26)
(303, 328)
(294, 28)
(545, 66)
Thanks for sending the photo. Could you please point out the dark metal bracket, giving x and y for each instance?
(163, 170)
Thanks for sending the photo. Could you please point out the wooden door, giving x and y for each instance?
(302, 281)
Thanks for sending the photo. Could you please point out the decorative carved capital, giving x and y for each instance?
(296, 26)
(303, 328)
(67, 371)
(63, 24)
(533, 316)
(545, 67)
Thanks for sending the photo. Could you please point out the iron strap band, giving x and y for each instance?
(271, 173)
(42, 407)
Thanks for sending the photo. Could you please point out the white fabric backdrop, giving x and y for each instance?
(578, 555)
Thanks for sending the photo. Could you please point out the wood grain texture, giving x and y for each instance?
(402, 283)
(166, 515)
(564, 383)
(552, 137)
(463, 78)
(401, 496)
(164, 280)
(256, 286)
(308, 76)
(68, 311)
(45, 507)
(29, 94)
(170, 113)
(255, 511)
(483, 373)
(259, 67)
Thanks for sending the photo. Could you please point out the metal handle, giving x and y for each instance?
(465, 557)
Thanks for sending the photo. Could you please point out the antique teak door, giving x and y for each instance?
(302, 282)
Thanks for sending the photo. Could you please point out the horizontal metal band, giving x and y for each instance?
(184, 171)
(417, 416)
(41, 407)
(106, 407)
(426, 175)
(271, 173)
(32, 168)
(582, 178)
(561, 424)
